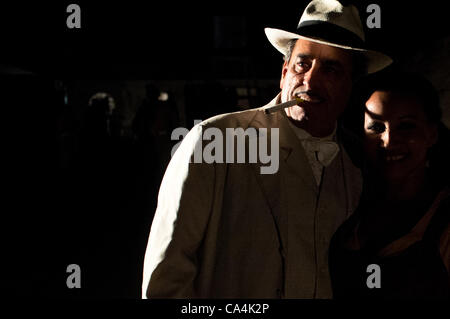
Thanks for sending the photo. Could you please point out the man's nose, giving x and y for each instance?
(311, 77)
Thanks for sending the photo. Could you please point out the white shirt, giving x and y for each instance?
(308, 143)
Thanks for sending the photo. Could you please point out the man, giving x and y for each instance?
(225, 230)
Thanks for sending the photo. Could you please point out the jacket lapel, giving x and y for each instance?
(291, 155)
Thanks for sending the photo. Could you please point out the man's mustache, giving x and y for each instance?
(297, 99)
(311, 94)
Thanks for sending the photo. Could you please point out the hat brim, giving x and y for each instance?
(376, 61)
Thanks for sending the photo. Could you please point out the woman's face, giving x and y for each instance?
(397, 135)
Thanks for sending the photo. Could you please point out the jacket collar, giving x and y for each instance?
(291, 149)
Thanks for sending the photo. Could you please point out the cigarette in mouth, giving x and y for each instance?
(284, 105)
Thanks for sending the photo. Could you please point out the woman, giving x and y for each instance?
(396, 245)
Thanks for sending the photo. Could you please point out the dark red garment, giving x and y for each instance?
(417, 272)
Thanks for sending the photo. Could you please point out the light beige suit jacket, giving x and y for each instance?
(226, 231)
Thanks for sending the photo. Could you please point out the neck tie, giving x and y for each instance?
(325, 151)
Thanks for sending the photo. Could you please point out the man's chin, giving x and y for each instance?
(296, 113)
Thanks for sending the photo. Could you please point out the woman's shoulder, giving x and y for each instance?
(438, 229)
(439, 217)
(428, 229)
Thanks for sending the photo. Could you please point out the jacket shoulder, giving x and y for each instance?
(235, 119)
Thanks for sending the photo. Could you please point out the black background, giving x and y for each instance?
(170, 41)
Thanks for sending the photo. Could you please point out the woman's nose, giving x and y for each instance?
(388, 139)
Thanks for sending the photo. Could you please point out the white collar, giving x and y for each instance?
(303, 135)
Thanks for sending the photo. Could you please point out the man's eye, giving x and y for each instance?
(303, 65)
(376, 127)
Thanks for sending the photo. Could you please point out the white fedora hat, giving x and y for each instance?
(332, 23)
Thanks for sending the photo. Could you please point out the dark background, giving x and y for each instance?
(79, 191)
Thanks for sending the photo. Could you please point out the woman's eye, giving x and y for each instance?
(330, 69)
(407, 126)
(376, 127)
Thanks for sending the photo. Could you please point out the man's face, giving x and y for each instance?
(322, 76)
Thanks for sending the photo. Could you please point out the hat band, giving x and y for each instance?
(329, 32)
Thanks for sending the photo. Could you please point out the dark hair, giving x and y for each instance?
(406, 84)
(359, 61)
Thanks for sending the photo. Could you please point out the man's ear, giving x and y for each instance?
(283, 73)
